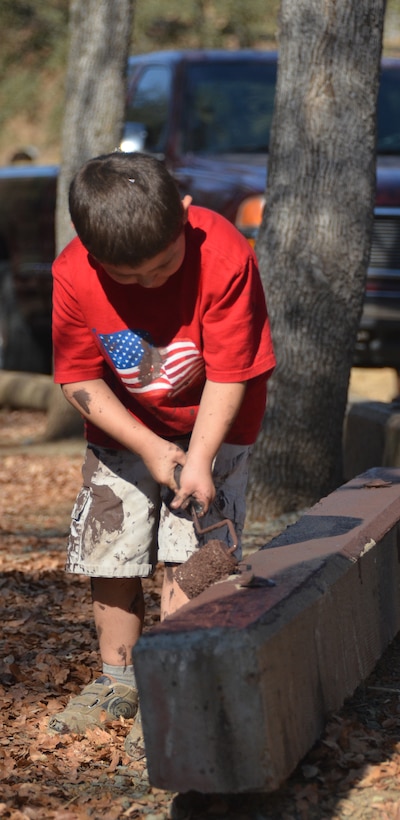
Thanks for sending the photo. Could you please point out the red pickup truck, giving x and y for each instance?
(207, 114)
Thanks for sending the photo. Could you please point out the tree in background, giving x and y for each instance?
(95, 91)
(93, 120)
(205, 24)
(314, 242)
(34, 54)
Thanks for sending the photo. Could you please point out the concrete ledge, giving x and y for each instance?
(236, 687)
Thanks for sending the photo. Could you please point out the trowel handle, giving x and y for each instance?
(194, 505)
(225, 522)
(196, 509)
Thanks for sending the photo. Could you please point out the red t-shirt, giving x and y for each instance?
(156, 346)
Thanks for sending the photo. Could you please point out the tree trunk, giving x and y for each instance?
(95, 91)
(100, 32)
(313, 246)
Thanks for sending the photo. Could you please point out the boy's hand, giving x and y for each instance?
(162, 460)
(195, 485)
(219, 405)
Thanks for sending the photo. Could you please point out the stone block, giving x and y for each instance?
(236, 687)
(371, 437)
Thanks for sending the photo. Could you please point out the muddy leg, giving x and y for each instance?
(118, 608)
(172, 596)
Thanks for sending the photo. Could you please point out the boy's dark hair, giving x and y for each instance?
(126, 208)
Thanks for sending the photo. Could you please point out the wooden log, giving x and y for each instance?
(19, 390)
(37, 391)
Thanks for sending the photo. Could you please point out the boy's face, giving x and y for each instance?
(153, 273)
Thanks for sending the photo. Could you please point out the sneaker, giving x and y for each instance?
(134, 741)
(102, 695)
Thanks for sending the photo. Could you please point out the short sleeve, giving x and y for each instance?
(236, 331)
(76, 356)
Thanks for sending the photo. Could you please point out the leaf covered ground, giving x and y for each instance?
(49, 651)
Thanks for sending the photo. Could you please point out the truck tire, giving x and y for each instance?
(20, 348)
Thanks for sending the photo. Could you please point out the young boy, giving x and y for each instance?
(162, 342)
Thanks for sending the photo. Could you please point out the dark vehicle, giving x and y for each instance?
(27, 213)
(378, 341)
(207, 115)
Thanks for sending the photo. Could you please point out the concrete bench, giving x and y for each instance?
(236, 687)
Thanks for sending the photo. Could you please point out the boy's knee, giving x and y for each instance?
(121, 592)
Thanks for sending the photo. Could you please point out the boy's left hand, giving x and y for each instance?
(219, 405)
(194, 485)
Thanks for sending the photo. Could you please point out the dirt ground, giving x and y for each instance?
(380, 384)
(49, 651)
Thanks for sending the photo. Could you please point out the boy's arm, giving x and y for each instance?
(219, 405)
(97, 403)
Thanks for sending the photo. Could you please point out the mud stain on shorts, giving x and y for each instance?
(105, 515)
(106, 510)
(98, 514)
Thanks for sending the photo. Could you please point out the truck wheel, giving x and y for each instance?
(20, 348)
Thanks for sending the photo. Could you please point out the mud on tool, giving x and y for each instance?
(213, 561)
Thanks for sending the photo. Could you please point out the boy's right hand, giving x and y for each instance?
(162, 460)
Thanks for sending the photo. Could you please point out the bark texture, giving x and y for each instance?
(314, 242)
(100, 33)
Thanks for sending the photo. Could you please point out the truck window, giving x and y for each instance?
(228, 107)
(149, 104)
(389, 112)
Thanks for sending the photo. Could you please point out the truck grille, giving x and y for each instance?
(385, 248)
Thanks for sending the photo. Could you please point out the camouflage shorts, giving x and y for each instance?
(122, 526)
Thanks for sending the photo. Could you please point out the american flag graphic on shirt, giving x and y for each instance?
(144, 368)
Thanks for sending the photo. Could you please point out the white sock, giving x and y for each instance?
(122, 674)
